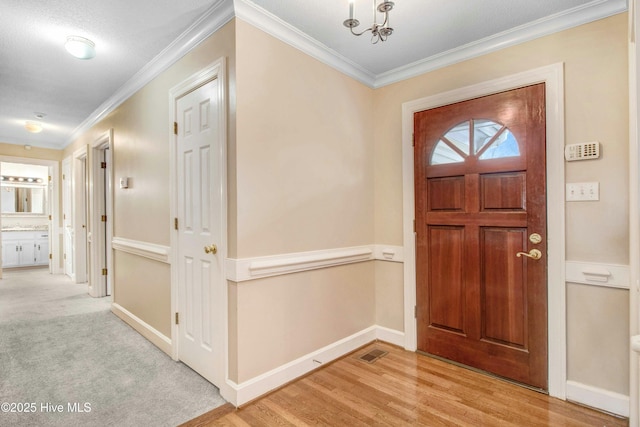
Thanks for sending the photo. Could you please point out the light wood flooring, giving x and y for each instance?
(401, 389)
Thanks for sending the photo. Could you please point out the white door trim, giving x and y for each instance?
(553, 77)
(98, 196)
(53, 206)
(80, 217)
(67, 217)
(216, 70)
(634, 213)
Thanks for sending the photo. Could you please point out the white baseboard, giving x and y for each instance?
(390, 335)
(605, 400)
(146, 330)
(262, 384)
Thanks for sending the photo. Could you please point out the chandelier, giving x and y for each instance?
(379, 32)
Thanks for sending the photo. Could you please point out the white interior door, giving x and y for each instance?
(199, 264)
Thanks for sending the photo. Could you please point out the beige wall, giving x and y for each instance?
(390, 295)
(596, 102)
(598, 340)
(142, 131)
(280, 319)
(304, 153)
(304, 183)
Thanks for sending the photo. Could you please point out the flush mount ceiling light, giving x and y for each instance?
(80, 47)
(379, 32)
(33, 127)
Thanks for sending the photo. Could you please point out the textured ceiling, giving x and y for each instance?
(37, 75)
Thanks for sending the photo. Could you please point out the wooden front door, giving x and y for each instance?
(481, 224)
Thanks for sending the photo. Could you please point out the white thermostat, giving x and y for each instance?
(582, 151)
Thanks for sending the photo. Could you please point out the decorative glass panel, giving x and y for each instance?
(483, 131)
(443, 154)
(491, 140)
(459, 136)
(504, 146)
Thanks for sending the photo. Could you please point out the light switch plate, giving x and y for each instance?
(583, 191)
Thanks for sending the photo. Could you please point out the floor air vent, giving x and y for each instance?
(372, 355)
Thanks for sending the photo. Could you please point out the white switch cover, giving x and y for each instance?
(578, 191)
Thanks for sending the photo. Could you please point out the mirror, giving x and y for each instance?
(23, 200)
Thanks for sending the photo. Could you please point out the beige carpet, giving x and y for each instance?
(66, 360)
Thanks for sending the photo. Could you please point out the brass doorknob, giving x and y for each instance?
(533, 253)
(213, 249)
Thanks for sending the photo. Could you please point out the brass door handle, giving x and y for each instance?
(533, 253)
(213, 249)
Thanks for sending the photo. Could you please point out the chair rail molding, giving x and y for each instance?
(243, 269)
(598, 274)
(144, 249)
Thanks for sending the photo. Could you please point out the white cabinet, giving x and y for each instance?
(41, 248)
(10, 253)
(24, 248)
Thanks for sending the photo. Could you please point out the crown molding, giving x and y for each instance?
(589, 12)
(271, 24)
(222, 11)
(211, 21)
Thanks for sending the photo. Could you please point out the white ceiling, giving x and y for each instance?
(136, 39)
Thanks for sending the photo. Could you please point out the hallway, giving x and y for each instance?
(65, 359)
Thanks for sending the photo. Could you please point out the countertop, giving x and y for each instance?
(35, 228)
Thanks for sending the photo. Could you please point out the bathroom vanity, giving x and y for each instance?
(24, 247)
(25, 231)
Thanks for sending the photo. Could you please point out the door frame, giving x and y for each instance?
(79, 209)
(553, 77)
(216, 70)
(53, 204)
(98, 195)
(67, 210)
(634, 212)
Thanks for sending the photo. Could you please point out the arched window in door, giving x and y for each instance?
(484, 139)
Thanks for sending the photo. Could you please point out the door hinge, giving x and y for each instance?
(64, 256)
(103, 165)
(50, 256)
(63, 177)
(64, 216)
(414, 225)
(413, 139)
(103, 218)
(177, 318)
(415, 311)
(49, 177)
(175, 223)
(104, 271)
(175, 128)
(50, 218)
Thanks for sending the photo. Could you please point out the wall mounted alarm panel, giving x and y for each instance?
(582, 151)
